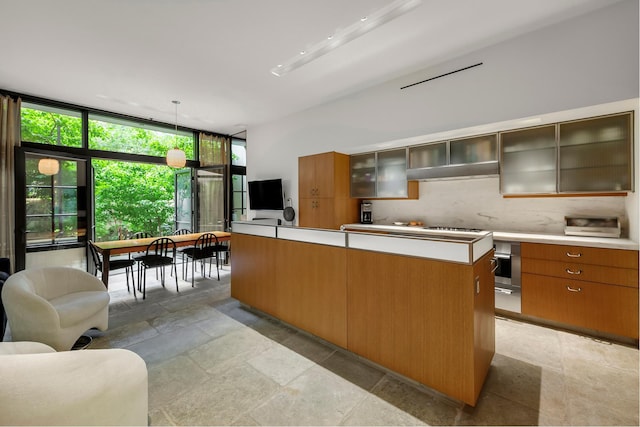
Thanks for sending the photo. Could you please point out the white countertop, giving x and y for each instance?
(460, 247)
(556, 239)
(553, 239)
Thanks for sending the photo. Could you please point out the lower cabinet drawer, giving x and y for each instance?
(581, 272)
(582, 255)
(605, 308)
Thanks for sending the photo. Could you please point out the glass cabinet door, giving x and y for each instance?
(595, 154)
(426, 156)
(528, 161)
(392, 173)
(473, 150)
(363, 175)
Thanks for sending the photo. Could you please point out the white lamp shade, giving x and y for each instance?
(48, 166)
(176, 158)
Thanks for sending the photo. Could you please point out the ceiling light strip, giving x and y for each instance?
(341, 37)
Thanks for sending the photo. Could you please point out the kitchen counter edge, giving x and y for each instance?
(555, 239)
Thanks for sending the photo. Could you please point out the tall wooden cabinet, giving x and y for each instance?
(323, 188)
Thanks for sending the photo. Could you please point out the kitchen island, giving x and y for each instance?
(421, 306)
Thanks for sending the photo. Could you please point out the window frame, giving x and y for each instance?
(85, 154)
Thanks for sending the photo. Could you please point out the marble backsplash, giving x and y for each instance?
(477, 203)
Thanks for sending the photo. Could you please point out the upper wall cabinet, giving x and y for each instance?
(323, 188)
(529, 158)
(590, 155)
(596, 154)
(476, 155)
(382, 175)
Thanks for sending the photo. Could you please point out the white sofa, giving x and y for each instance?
(39, 386)
(54, 305)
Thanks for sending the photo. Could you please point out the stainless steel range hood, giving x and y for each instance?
(453, 171)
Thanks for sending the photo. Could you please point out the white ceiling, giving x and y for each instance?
(215, 56)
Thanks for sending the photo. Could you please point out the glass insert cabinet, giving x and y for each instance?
(589, 155)
(381, 174)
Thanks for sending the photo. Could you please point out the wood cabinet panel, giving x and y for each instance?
(606, 308)
(584, 272)
(253, 279)
(380, 301)
(312, 290)
(306, 176)
(423, 319)
(581, 254)
(323, 185)
(484, 320)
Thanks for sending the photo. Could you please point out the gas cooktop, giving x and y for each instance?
(444, 228)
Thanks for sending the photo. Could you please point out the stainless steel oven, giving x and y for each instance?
(508, 273)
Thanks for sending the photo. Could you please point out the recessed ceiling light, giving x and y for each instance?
(353, 31)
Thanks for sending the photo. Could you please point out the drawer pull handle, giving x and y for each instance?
(570, 289)
(574, 272)
(570, 255)
(494, 261)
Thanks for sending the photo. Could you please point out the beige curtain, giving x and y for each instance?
(9, 138)
(213, 149)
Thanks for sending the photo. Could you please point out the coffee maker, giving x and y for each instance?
(366, 213)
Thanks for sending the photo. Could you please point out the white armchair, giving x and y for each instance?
(39, 386)
(54, 305)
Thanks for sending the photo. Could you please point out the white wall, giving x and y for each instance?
(590, 60)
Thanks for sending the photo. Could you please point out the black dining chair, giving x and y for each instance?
(114, 264)
(140, 235)
(203, 249)
(160, 253)
(182, 232)
(221, 248)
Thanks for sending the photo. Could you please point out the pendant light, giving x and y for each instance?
(176, 157)
(48, 166)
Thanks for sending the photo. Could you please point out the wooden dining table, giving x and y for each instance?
(116, 247)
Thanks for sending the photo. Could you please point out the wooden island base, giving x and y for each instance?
(428, 320)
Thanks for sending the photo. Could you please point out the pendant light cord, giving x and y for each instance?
(176, 104)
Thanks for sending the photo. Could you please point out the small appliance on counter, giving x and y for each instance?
(366, 213)
(607, 226)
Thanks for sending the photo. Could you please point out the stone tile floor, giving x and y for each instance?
(213, 362)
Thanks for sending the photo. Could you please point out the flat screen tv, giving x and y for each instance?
(266, 194)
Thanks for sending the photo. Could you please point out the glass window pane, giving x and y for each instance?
(239, 152)
(126, 136)
(39, 201)
(238, 200)
(132, 197)
(39, 230)
(68, 174)
(214, 149)
(49, 125)
(66, 200)
(66, 228)
(239, 182)
(56, 213)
